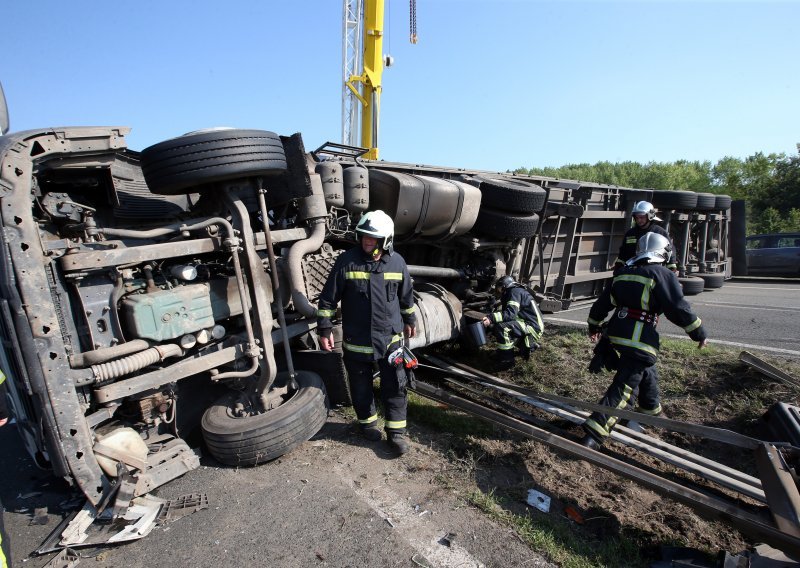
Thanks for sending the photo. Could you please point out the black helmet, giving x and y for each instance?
(505, 282)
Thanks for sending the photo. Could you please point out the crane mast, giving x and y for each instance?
(362, 54)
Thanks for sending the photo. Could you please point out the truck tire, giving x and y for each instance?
(199, 158)
(722, 202)
(505, 224)
(510, 194)
(691, 285)
(679, 199)
(258, 438)
(712, 279)
(706, 202)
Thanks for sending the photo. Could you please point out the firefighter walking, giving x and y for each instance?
(644, 221)
(374, 287)
(639, 293)
(518, 321)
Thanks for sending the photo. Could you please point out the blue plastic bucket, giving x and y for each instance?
(475, 334)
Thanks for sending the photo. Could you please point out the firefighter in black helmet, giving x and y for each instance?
(378, 314)
(639, 293)
(644, 221)
(519, 318)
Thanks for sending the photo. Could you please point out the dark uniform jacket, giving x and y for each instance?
(628, 248)
(377, 300)
(518, 305)
(640, 293)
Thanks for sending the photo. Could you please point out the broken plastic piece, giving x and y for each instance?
(539, 500)
(67, 558)
(182, 506)
(573, 514)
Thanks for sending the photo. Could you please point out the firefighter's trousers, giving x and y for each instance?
(508, 332)
(394, 393)
(631, 375)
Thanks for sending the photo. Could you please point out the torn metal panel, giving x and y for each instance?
(89, 528)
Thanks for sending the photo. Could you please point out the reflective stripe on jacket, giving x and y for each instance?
(377, 300)
(519, 305)
(649, 287)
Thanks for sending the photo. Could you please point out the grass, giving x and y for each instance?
(557, 540)
(705, 386)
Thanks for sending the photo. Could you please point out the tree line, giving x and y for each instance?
(769, 183)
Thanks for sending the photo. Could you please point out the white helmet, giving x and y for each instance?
(645, 208)
(378, 225)
(653, 247)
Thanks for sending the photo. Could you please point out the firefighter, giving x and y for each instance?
(518, 319)
(644, 221)
(640, 292)
(378, 314)
(5, 552)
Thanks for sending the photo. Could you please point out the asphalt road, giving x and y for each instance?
(755, 314)
(336, 501)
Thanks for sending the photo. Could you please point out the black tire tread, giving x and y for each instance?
(174, 166)
(264, 437)
(674, 199)
(506, 224)
(511, 194)
(692, 285)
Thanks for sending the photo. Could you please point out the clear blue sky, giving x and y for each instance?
(492, 84)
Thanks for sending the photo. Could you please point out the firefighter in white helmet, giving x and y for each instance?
(640, 292)
(378, 314)
(644, 221)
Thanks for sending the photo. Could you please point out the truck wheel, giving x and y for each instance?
(511, 194)
(692, 285)
(679, 199)
(505, 224)
(706, 202)
(252, 439)
(180, 164)
(712, 279)
(722, 202)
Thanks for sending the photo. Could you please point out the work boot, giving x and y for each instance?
(525, 352)
(591, 442)
(371, 432)
(503, 360)
(398, 441)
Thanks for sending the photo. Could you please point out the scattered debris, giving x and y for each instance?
(539, 500)
(388, 520)
(40, 517)
(182, 506)
(420, 560)
(448, 539)
(573, 514)
(90, 528)
(766, 369)
(66, 558)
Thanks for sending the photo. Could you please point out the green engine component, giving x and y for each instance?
(169, 314)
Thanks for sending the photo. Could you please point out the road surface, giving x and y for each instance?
(756, 314)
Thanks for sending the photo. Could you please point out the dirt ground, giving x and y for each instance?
(710, 387)
(458, 498)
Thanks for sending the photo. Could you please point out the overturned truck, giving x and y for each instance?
(150, 295)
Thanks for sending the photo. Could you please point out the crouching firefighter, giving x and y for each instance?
(518, 321)
(641, 291)
(373, 284)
